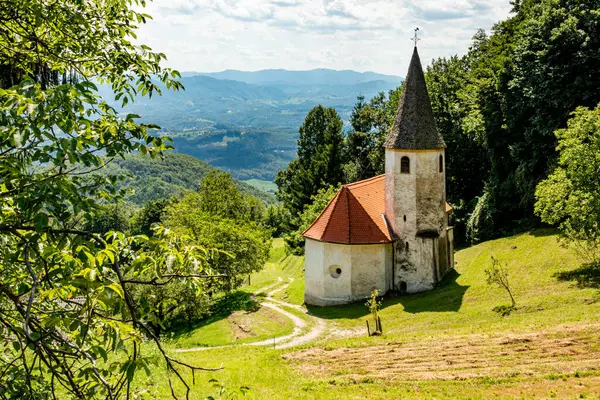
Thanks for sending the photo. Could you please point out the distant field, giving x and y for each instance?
(448, 343)
(265, 186)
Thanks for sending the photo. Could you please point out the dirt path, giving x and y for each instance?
(306, 329)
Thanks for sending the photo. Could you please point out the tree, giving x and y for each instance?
(66, 293)
(174, 305)
(222, 220)
(219, 195)
(243, 244)
(467, 161)
(151, 213)
(319, 162)
(383, 111)
(360, 143)
(551, 74)
(570, 196)
(110, 217)
(374, 305)
(294, 240)
(277, 217)
(497, 275)
(527, 78)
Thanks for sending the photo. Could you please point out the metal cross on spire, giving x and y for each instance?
(416, 38)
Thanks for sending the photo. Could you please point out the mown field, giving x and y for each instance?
(445, 343)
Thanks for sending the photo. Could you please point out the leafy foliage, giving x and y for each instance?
(277, 217)
(497, 275)
(499, 105)
(222, 218)
(319, 162)
(66, 293)
(467, 160)
(219, 217)
(110, 217)
(219, 196)
(364, 143)
(294, 241)
(153, 212)
(570, 196)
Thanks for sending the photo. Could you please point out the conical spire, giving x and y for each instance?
(414, 127)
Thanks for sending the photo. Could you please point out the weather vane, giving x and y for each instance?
(416, 38)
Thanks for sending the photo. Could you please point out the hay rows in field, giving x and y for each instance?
(566, 351)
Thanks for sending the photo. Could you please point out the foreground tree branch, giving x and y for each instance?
(67, 302)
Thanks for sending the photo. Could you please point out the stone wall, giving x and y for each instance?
(416, 211)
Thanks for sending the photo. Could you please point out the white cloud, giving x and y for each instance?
(212, 35)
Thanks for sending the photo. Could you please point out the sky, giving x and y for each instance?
(361, 35)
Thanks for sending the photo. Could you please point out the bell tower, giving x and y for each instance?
(415, 189)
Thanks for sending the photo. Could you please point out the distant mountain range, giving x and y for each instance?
(312, 77)
(248, 126)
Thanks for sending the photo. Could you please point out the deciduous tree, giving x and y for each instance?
(570, 196)
(319, 163)
(65, 293)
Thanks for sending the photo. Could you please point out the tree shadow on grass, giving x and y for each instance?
(586, 276)
(447, 297)
(542, 232)
(222, 308)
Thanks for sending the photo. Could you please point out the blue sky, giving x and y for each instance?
(363, 35)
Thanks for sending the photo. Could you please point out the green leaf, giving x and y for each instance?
(115, 287)
(131, 371)
(41, 221)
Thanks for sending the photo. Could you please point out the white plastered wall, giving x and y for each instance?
(363, 268)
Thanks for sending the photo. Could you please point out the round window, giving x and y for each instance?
(335, 271)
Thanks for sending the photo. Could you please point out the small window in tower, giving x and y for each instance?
(441, 163)
(407, 246)
(405, 165)
(405, 218)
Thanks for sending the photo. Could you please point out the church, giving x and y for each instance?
(389, 232)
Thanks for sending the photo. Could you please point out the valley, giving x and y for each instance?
(250, 128)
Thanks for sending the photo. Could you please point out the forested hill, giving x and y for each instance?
(250, 130)
(154, 179)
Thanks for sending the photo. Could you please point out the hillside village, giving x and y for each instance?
(346, 235)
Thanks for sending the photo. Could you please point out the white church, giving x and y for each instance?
(389, 232)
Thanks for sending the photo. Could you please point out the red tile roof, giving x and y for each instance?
(355, 215)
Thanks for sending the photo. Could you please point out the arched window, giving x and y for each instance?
(441, 163)
(405, 165)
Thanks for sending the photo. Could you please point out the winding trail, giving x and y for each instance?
(306, 329)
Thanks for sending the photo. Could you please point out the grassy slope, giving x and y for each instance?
(281, 269)
(239, 327)
(250, 326)
(460, 308)
(464, 302)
